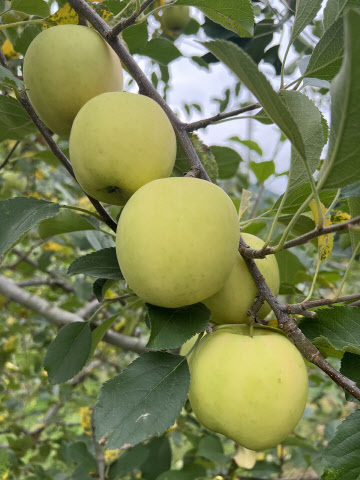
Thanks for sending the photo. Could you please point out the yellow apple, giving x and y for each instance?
(175, 18)
(232, 302)
(177, 241)
(120, 141)
(64, 67)
(252, 389)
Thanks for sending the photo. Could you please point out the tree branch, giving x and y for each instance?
(10, 290)
(252, 253)
(145, 86)
(288, 325)
(127, 22)
(190, 127)
(301, 308)
(9, 155)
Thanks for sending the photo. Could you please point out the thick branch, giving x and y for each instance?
(251, 253)
(190, 127)
(288, 325)
(127, 22)
(10, 290)
(145, 86)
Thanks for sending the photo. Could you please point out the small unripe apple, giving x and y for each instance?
(177, 241)
(64, 67)
(120, 141)
(175, 18)
(232, 302)
(251, 388)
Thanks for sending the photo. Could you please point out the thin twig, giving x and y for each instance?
(9, 155)
(252, 253)
(300, 308)
(127, 22)
(190, 127)
(288, 325)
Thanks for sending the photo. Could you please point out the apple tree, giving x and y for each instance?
(179, 303)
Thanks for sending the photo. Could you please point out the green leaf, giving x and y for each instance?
(341, 165)
(129, 461)
(206, 157)
(306, 11)
(341, 455)
(308, 119)
(161, 50)
(171, 327)
(78, 453)
(131, 406)
(136, 37)
(100, 331)
(33, 7)
(350, 367)
(159, 459)
(290, 267)
(327, 57)
(335, 8)
(190, 471)
(354, 210)
(227, 160)
(298, 196)
(26, 37)
(100, 264)
(19, 215)
(66, 221)
(250, 144)
(211, 448)
(68, 353)
(247, 71)
(9, 80)
(263, 170)
(234, 15)
(15, 123)
(337, 327)
(101, 286)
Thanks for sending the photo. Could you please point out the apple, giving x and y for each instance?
(177, 241)
(251, 388)
(64, 67)
(120, 141)
(232, 302)
(175, 18)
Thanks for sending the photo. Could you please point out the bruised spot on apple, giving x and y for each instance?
(64, 67)
(252, 389)
(175, 18)
(177, 241)
(233, 301)
(119, 142)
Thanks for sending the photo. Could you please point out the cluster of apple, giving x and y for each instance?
(177, 238)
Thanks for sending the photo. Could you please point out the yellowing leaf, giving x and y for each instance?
(66, 15)
(325, 242)
(340, 217)
(8, 50)
(273, 323)
(245, 458)
(101, 10)
(111, 455)
(245, 202)
(39, 175)
(86, 413)
(56, 247)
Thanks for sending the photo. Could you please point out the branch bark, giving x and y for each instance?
(300, 308)
(252, 253)
(127, 22)
(9, 155)
(57, 315)
(190, 127)
(145, 86)
(293, 332)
